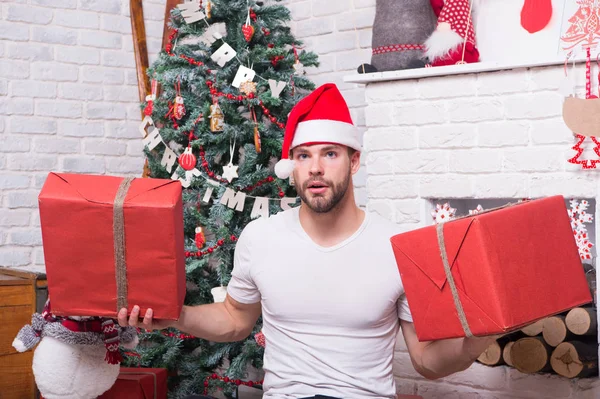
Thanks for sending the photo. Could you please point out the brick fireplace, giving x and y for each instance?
(483, 136)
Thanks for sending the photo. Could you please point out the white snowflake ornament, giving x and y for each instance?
(443, 213)
(477, 210)
(579, 217)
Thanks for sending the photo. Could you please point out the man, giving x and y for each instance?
(324, 277)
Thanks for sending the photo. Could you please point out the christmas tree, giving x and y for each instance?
(222, 90)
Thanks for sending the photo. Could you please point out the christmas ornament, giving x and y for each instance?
(247, 28)
(443, 213)
(248, 87)
(453, 40)
(179, 108)
(257, 142)
(230, 170)
(243, 75)
(259, 337)
(219, 294)
(579, 217)
(187, 160)
(476, 211)
(298, 68)
(536, 14)
(223, 55)
(217, 119)
(199, 238)
(208, 9)
(150, 98)
(584, 28)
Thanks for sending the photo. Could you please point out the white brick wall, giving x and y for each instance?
(489, 135)
(68, 101)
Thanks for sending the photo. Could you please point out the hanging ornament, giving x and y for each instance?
(208, 9)
(217, 119)
(248, 87)
(298, 67)
(219, 294)
(230, 170)
(259, 337)
(150, 98)
(187, 160)
(257, 142)
(247, 28)
(200, 239)
(179, 108)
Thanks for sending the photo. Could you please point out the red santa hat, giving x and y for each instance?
(321, 117)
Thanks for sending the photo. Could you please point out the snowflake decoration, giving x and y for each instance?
(248, 87)
(579, 217)
(443, 213)
(477, 210)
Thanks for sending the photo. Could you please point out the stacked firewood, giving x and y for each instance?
(565, 344)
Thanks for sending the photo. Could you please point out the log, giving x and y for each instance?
(492, 356)
(506, 354)
(534, 329)
(555, 330)
(575, 359)
(582, 321)
(531, 355)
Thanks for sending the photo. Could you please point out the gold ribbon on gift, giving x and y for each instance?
(459, 308)
(119, 243)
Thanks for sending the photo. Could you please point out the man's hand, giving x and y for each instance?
(148, 322)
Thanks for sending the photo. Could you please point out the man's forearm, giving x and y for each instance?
(212, 322)
(445, 357)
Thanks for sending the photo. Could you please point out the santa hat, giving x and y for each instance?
(321, 117)
(446, 45)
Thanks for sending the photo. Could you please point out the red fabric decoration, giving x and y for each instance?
(111, 341)
(536, 14)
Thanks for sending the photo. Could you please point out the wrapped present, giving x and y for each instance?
(492, 272)
(111, 242)
(138, 383)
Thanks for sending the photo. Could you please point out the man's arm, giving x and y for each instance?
(438, 359)
(227, 321)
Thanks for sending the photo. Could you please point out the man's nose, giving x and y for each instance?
(316, 166)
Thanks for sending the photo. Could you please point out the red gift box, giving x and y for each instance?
(108, 245)
(508, 267)
(138, 383)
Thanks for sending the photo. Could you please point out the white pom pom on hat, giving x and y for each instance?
(321, 117)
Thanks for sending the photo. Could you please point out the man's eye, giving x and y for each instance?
(331, 154)
(302, 156)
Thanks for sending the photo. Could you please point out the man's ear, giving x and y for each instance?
(355, 162)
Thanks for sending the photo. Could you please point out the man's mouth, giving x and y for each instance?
(317, 187)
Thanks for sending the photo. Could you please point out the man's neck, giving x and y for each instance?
(331, 228)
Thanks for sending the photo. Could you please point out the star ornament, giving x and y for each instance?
(443, 213)
(230, 172)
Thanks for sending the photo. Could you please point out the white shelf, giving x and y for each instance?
(477, 67)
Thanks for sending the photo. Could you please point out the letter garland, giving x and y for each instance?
(231, 198)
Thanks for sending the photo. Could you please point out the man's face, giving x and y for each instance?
(323, 174)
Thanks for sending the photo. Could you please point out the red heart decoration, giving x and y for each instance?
(248, 31)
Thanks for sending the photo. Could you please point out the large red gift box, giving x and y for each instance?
(508, 267)
(111, 242)
(138, 383)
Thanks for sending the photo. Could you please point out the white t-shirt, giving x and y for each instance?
(330, 315)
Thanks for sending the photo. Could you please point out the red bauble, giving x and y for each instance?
(200, 239)
(187, 160)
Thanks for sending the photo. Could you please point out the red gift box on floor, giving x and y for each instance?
(508, 267)
(138, 383)
(108, 244)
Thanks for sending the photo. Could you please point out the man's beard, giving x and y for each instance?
(320, 203)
